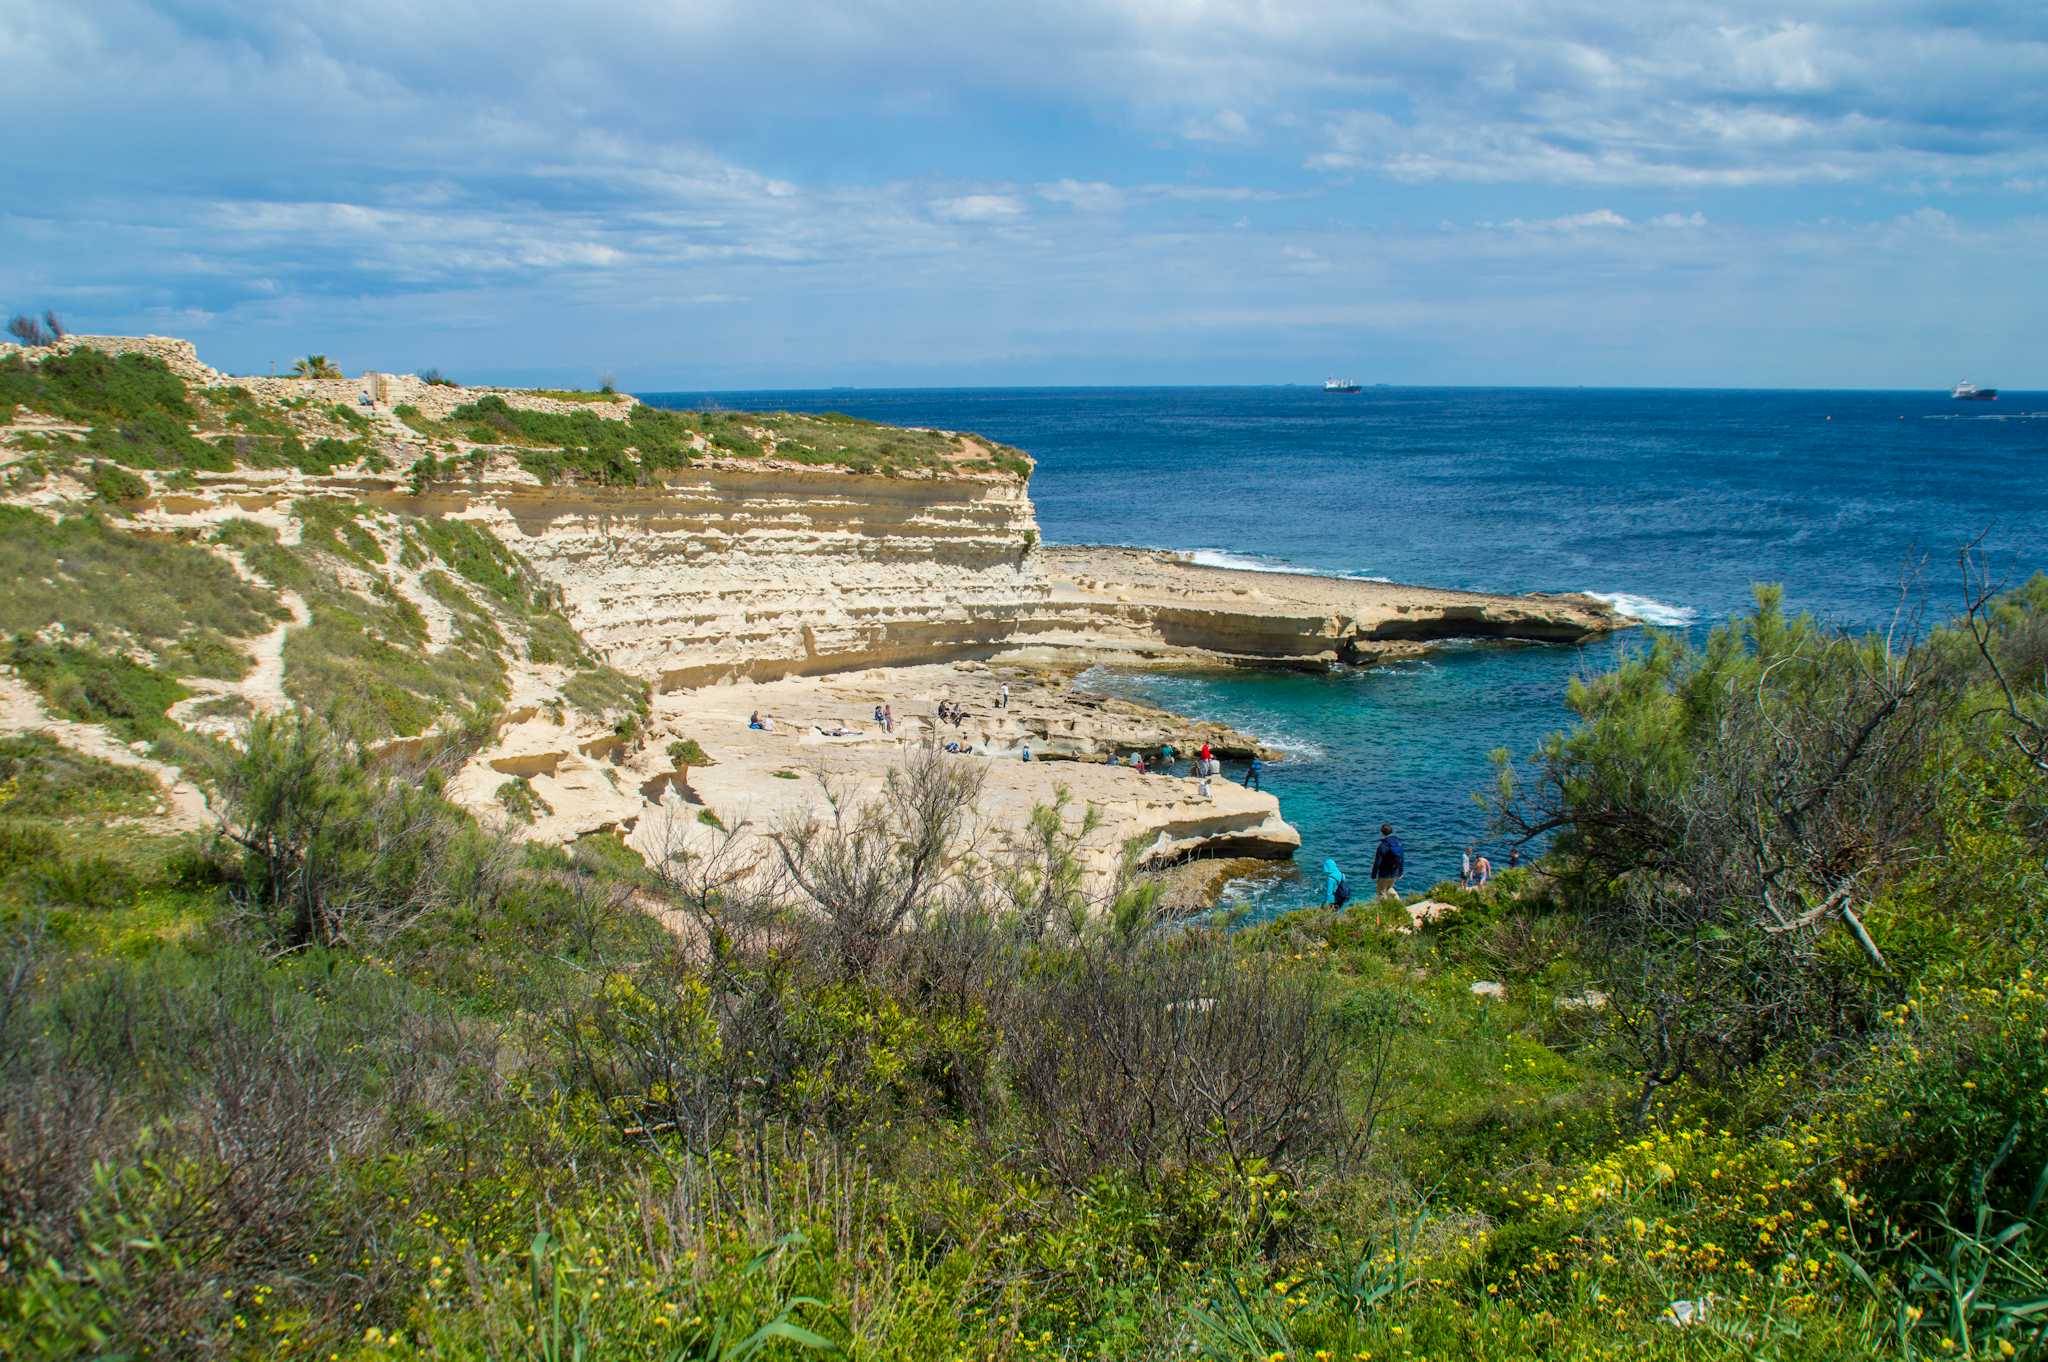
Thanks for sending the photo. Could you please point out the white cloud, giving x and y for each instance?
(1089, 196)
(979, 208)
(1594, 220)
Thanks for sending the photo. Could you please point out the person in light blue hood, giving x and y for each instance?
(1336, 893)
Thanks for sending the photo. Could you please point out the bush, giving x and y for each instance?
(338, 853)
(109, 483)
(1167, 1057)
(1726, 818)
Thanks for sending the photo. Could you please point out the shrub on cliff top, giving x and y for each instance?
(90, 386)
(580, 444)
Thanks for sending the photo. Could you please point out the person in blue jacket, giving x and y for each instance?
(1388, 861)
(1336, 893)
(1253, 772)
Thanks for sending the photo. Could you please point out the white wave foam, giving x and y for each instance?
(1238, 562)
(1648, 609)
(1295, 749)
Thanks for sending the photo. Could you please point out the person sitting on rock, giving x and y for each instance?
(754, 720)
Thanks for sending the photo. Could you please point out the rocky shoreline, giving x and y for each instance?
(1149, 607)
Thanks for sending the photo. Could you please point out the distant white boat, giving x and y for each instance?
(1970, 392)
(1340, 385)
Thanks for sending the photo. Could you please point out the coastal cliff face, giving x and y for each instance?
(728, 573)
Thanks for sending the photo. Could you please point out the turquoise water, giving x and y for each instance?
(1671, 503)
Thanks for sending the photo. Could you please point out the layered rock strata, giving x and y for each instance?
(1143, 607)
(724, 573)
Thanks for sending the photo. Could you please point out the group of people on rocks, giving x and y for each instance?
(1390, 863)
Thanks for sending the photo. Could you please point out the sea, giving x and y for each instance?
(1671, 505)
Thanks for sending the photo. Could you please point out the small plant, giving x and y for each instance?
(608, 385)
(785, 775)
(685, 753)
(112, 483)
(710, 819)
(519, 800)
(434, 378)
(423, 471)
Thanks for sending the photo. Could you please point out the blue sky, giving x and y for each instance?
(713, 195)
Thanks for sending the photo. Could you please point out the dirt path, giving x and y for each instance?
(263, 687)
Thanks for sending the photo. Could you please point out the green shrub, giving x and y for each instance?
(89, 387)
(109, 483)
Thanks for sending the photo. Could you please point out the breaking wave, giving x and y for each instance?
(1238, 562)
(1648, 609)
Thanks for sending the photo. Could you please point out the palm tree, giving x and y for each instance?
(315, 366)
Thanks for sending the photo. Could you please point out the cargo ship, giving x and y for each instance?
(1340, 385)
(1970, 392)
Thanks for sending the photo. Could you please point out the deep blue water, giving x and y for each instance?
(1672, 502)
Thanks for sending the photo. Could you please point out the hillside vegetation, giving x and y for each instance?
(105, 417)
(348, 1074)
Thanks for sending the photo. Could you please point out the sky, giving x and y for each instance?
(691, 195)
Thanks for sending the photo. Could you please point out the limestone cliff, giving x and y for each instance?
(721, 572)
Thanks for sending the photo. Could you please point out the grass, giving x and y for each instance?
(120, 590)
(576, 395)
(602, 691)
(365, 659)
(93, 687)
(41, 778)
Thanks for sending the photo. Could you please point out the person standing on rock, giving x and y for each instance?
(1482, 871)
(1004, 703)
(1389, 859)
(1514, 857)
(1336, 893)
(1253, 772)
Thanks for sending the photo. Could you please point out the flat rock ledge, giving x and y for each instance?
(1138, 607)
